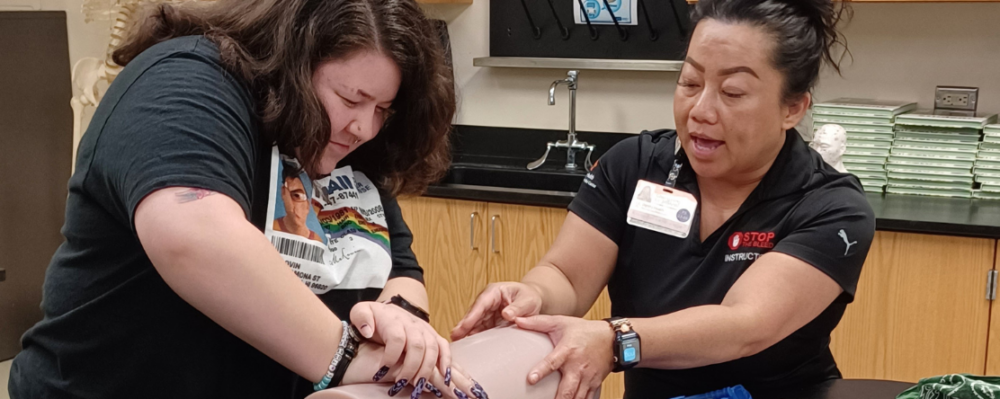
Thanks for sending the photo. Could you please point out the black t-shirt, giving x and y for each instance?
(112, 326)
(802, 207)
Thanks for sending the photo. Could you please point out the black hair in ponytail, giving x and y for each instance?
(805, 33)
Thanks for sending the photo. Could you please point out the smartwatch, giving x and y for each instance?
(409, 307)
(626, 348)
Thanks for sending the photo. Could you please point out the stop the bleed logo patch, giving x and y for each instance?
(751, 239)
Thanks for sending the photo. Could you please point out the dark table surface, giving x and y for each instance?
(846, 389)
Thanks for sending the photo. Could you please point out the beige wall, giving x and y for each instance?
(901, 51)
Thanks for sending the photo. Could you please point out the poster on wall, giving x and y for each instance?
(625, 11)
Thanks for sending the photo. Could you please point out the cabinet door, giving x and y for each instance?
(920, 309)
(522, 236)
(993, 345)
(449, 239)
(35, 149)
(519, 236)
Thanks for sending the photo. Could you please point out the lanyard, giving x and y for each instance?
(674, 172)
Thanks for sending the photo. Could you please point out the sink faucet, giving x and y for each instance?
(571, 144)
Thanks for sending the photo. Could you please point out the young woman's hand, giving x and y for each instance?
(409, 342)
(367, 368)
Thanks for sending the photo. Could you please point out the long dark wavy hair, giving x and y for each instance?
(275, 45)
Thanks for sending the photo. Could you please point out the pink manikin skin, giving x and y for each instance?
(499, 359)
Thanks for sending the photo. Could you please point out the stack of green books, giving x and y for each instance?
(869, 125)
(934, 153)
(991, 133)
(987, 169)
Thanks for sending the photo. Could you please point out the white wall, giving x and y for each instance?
(901, 51)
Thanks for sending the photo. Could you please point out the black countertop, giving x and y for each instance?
(509, 148)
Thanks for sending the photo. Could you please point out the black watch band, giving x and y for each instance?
(626, 346)
(409, 307)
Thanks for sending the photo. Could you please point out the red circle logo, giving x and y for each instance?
(734, 241)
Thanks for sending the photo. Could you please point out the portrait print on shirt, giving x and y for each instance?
(294, 212)
(331, 231)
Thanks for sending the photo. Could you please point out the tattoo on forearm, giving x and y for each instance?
(192, 194)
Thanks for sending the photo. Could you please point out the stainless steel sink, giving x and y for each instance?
(512, 179)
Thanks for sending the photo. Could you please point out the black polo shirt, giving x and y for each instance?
(803, 207)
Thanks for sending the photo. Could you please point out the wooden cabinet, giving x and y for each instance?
(920, 310)
(465, 245)
(448, 240)
(993, 342)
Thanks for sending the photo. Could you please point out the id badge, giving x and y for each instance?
(662, 209)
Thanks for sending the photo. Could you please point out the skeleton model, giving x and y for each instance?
(830, 141)
(90, 72)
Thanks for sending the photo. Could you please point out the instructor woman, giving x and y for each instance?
(729, 248)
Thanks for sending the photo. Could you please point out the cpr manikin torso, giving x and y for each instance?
(499, 359)
(830, 141)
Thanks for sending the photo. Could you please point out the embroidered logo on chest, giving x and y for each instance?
(751, 239)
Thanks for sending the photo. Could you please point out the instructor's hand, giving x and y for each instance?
(583, 353)
(497, 306)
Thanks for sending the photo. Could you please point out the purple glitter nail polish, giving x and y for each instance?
(418, 389)
(397, 387)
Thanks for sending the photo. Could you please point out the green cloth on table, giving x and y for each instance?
(954, 386)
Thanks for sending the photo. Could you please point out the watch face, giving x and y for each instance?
(630, 352)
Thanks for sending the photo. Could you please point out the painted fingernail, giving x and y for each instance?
(366, 331)
(460, 394)
(478, 391)
(381, 373)
(418, 389)
(447, 377)
(398, 386)
(433, 389)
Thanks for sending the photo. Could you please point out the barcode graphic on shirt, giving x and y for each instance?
(298, 249)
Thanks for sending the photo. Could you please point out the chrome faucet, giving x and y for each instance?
(570, 144)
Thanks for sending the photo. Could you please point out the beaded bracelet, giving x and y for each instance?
(350, 351)
(325, 382)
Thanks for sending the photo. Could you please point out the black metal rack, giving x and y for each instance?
(537, 28)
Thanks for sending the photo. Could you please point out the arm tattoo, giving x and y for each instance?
(192, 194)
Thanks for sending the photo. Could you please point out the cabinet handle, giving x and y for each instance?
(991, 285)
(493, 233)
(3, 275)
(472, 231)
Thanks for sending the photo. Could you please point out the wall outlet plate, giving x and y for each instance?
(956, 98)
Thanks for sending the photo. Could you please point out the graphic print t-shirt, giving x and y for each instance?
(332, 231)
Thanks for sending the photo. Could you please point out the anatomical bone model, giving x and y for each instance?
(830, 141)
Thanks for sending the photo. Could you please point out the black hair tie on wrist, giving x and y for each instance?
(409, 307)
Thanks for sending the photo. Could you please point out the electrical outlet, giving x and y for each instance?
(956, 98)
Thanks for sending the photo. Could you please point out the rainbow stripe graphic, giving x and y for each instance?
(345, 221)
